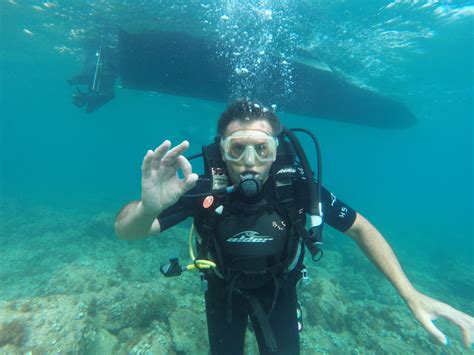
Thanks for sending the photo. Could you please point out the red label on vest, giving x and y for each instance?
(208, 201)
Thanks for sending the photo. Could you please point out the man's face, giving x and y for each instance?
(248, 163)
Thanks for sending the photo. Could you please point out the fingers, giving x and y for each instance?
(189, 179)
(184, 165)
(172, 155)
(159, 153)
(146, 165)
(426, 312)
(462, 320)
(435, 332)
(468, 336)
(162, 155)
(189, 182)
(152, 158)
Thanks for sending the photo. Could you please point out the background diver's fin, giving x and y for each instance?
(94, 102)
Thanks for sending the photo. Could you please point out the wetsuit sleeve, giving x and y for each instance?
(183, 209)
(336, 213)
(174, 214)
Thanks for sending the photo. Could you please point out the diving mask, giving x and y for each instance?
(250, 146)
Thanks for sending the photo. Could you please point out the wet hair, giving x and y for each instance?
(246, 111)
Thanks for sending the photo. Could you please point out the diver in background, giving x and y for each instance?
(250, 237)
(99, 78)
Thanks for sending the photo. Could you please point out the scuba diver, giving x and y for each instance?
(250, 208)
(98, 76)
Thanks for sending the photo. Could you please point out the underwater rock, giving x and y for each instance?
(135, 306)
(189, 333)
(50, 324)
(328, 305)
(155, 341)
(78, 278)
(104, 343)
(12, 332)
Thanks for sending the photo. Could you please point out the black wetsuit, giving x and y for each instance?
(250, 235)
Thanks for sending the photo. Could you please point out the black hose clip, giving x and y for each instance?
(172, 268)
(314, 242)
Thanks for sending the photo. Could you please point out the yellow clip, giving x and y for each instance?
(200, 264)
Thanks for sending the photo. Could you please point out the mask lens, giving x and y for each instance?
(236, 149)
(241, 144)
(262, 150)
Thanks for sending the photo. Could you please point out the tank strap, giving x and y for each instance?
(290, 207)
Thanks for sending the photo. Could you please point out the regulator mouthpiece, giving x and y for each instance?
(250, 185)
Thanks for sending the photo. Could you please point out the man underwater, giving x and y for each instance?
(249, 228)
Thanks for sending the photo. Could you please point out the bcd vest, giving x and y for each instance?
(254, 239)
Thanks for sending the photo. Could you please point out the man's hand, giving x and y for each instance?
(427, 309)
(161, 185)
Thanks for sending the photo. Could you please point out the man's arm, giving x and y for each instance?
(377, 249)
(161, 188)
(424, 308)
(133, 223)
